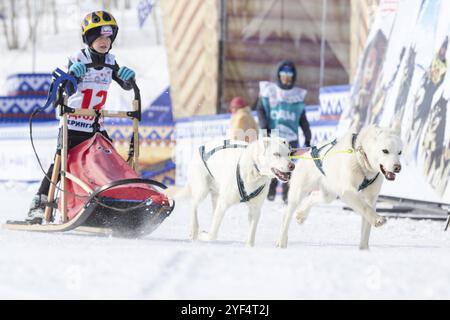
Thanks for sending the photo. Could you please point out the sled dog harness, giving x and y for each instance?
(366, 182)
(226, 145)
(244, 196)
(315, 153)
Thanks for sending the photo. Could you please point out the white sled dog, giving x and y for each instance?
(355, 177)
(232, 172)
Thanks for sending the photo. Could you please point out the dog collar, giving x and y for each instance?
(360, 150)
(366, 182)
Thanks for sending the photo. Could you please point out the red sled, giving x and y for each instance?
(113, 195)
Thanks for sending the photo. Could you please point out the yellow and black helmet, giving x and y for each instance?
(96, 24)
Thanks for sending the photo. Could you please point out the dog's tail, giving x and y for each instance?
(177, 193)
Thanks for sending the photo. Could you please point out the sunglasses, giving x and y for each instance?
(286, 74)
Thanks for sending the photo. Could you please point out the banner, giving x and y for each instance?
(160, 110)
(403, 76)
(19, 109)
(144, 9)
(25, 93)
(28, 84)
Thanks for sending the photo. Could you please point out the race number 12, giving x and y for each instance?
(87, 97)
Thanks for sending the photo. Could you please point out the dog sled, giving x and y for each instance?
(99, 192)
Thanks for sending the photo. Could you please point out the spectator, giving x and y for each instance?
(281, 107)
(243, 126)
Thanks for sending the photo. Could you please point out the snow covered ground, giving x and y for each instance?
(407, 260)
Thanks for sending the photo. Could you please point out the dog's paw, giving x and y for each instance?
(379, 221)
(282, 243)
(301, 218)
(204, 236)
(193, 231)
(193, 236)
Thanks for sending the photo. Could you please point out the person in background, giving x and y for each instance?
(243, 126)
(281, 107)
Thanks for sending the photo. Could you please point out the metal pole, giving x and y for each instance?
(221, 62)
(34, 23)
(448, 220)
(322, 43)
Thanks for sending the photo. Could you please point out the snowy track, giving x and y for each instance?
(408, 259)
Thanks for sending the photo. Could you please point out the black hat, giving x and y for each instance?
(97, 32)
(287, 66)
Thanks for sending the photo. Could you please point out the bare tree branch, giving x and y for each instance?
(55, 17)
(9, 23)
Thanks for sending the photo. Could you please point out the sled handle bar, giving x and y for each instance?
(115, 68)
(137, 94)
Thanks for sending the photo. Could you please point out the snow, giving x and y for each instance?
(408, 259)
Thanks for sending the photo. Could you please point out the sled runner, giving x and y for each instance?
(100, 192)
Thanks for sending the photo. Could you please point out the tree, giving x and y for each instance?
(9, 23)
(55, 16)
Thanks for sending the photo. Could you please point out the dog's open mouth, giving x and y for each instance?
(282, 176)
(387, 174)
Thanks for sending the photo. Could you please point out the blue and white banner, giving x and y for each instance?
(28, 84)
(144, 9)
(160, 110)
(333, 100)
(19, 109)
(25, 93)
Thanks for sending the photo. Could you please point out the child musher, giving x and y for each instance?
(99, 29)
